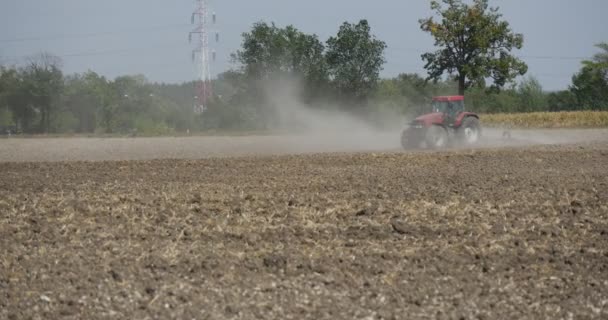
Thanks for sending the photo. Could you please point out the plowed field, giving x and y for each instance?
(512, 233)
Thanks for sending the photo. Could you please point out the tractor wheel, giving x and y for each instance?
(436, 137)
(470, 131)
(408, 140)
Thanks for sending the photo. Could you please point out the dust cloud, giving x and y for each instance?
(330, 128)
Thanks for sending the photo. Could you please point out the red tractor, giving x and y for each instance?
(448, 124)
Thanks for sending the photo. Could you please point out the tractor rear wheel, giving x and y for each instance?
(470, 131)
(436, 137)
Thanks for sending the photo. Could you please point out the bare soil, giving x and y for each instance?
(511, 233)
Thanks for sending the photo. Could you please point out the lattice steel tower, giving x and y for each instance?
(202, 54)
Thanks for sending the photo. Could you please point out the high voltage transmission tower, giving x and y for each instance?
(202, 54)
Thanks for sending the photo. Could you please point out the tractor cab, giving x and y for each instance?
(449, 106)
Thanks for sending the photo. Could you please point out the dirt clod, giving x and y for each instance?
(400, 226)
(275, 262)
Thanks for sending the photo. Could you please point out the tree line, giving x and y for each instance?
(473, 57)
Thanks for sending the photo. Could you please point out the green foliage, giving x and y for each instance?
(147, 125)
(14, 96)
(88, 103)
(222, 116)
(6, 117)
(31, 93)
(409, 94)
(355, 58)
(43, 81)
(590, 85)
(269, 56)
(474, 45)
(64, 121)
(482, 101)
(177, 102)
(590, 89)
(562, 100)
(531, 96)
(269, 52)
(85, 96)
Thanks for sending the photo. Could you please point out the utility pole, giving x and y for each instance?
(202, 55)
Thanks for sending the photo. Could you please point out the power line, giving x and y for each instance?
(89, 35)
(99, 52)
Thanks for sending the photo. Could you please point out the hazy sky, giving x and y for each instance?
(150, 37)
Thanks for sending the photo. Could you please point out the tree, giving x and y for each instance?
(44, 81)
(600, 60)
(590, 85)
(561, 101)
(15, 96)
(409, 93)
(130, 97)
(474, 45)
(590, 88)
(531, 96)
(355, 58)
(271, 55)
(181, 99)
(85, 96)
(484, 101)
(269, 51)
(6, 117)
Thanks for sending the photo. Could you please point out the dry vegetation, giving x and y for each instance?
(574, 119)
(486, 234)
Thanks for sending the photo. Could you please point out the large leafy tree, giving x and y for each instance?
(269, 51)
(6, 83)
(44, 81)
(355, 58)
(590, 85)
(562, 100)
(268, 56)
(86, 96)
(131, 98)
(531, 96)
(474, 44)
(600, 60)
(29, 93)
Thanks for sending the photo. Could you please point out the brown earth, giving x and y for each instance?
(473, 234)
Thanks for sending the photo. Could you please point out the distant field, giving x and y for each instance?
(573, 119)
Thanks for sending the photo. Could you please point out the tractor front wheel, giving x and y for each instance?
(436, 137)
(409, 140)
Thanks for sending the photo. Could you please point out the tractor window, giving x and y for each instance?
(458, 106)
(452, 107)
(440, 106)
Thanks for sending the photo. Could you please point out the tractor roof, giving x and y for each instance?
(448, 98)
